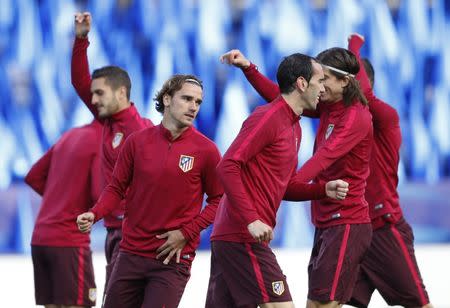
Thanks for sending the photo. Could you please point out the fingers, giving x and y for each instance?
(341, 189)
(85, 222)
(164, 235)
(169, 257)
(266, 236)
(85, 230)
(231, 57)
(163, 247)
(227, 57)
(178, 255)
(164, 252)
(341, 196)
(83, 17)
(85, 226)
(170, 253)
(78, 17)
(340, 183)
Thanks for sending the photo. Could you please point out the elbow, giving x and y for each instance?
(28, 180)
(73, 80)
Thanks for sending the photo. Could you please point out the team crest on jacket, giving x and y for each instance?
(186, 163)
(329, 130)
(278, 287)
(117, 140)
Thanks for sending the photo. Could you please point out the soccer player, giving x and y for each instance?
(107, 95)
(256, 172)
(166, 169)
(341, 150)
(390, 264)
(67, 178)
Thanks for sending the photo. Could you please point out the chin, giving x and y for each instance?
(186, 123)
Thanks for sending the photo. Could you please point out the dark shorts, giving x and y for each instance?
(390, 266)
(113, 238)
(63, 276)
(244, 274)
(138, 281)
(335, 261)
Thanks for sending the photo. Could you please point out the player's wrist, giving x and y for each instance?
(81, 36)
(250, 67)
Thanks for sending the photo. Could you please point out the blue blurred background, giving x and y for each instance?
(405, 40)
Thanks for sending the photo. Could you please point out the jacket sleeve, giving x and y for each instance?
(81, 78)
(115, 191)
(268, 89)
(350, 130)
(383, 115)
(36, 178)
(95, 177)
(255, 134)
(298, 191)
(213, 190)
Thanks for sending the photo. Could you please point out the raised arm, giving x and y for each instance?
(80, 75)
(265, 87)
(383, 115)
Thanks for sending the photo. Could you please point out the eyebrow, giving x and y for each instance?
(187, 96)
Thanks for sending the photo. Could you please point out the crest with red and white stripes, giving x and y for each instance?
(186, 163)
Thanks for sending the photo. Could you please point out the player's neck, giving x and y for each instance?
(174, 129)
(293, 101)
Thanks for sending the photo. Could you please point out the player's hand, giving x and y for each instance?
(236, 58)
(336, 189)
(82, 24)
(85, 221)
(260, 231)
(355, 41)
(173, 246)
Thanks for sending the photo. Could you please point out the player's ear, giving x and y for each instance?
(301, 83)
(166, 99)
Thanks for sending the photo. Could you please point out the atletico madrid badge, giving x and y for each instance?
(278, 287)
(186, 163)
(329, 130)
(117, 140)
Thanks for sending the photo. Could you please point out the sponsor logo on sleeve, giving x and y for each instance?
(278, 287)
(117, 140)
(186, 163)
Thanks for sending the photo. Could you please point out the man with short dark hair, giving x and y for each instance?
(256, 172)
(341, 150)
(166, 170)
(107, 95)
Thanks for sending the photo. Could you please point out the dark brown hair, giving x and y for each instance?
(115, 77)
(346, 61)
(172, 85)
